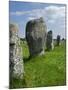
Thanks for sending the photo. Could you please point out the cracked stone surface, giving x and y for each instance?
(15, 57)
(36, 36)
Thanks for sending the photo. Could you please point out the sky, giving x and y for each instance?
(53, 15)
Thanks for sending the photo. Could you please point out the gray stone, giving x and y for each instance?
(49, 41)
(58, 40)
(36, 36)
(16, 61)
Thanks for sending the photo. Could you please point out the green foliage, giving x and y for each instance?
(46, 70)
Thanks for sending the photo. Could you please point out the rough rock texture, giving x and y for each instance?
(58, 40)
(49, 41)
(16, 61)
(36, 36)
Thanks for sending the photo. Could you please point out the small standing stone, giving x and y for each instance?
(49, 41)
(58, 40)
(36, 36)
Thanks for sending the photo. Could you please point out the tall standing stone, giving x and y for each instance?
(15, 54)
(36, 36)
(49, 41)
(58, 40)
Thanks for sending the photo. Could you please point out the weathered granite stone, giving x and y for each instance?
(36, 36)
(16, 61)
(58, 40)
(49, 41)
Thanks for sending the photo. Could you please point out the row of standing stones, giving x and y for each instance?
(37, 39)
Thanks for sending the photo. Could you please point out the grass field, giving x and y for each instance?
(46, 70)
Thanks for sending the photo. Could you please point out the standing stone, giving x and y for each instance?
(58, 40)
(49, 41)
(36, 36)
(16, 62)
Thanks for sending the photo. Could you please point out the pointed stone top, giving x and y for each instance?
(13, 28)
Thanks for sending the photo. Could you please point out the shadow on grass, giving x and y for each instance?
(17, 83)
(48, 50)
(26, 59)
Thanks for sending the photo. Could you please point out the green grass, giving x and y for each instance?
(46, 70)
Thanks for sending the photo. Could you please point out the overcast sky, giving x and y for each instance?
(53, 14)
